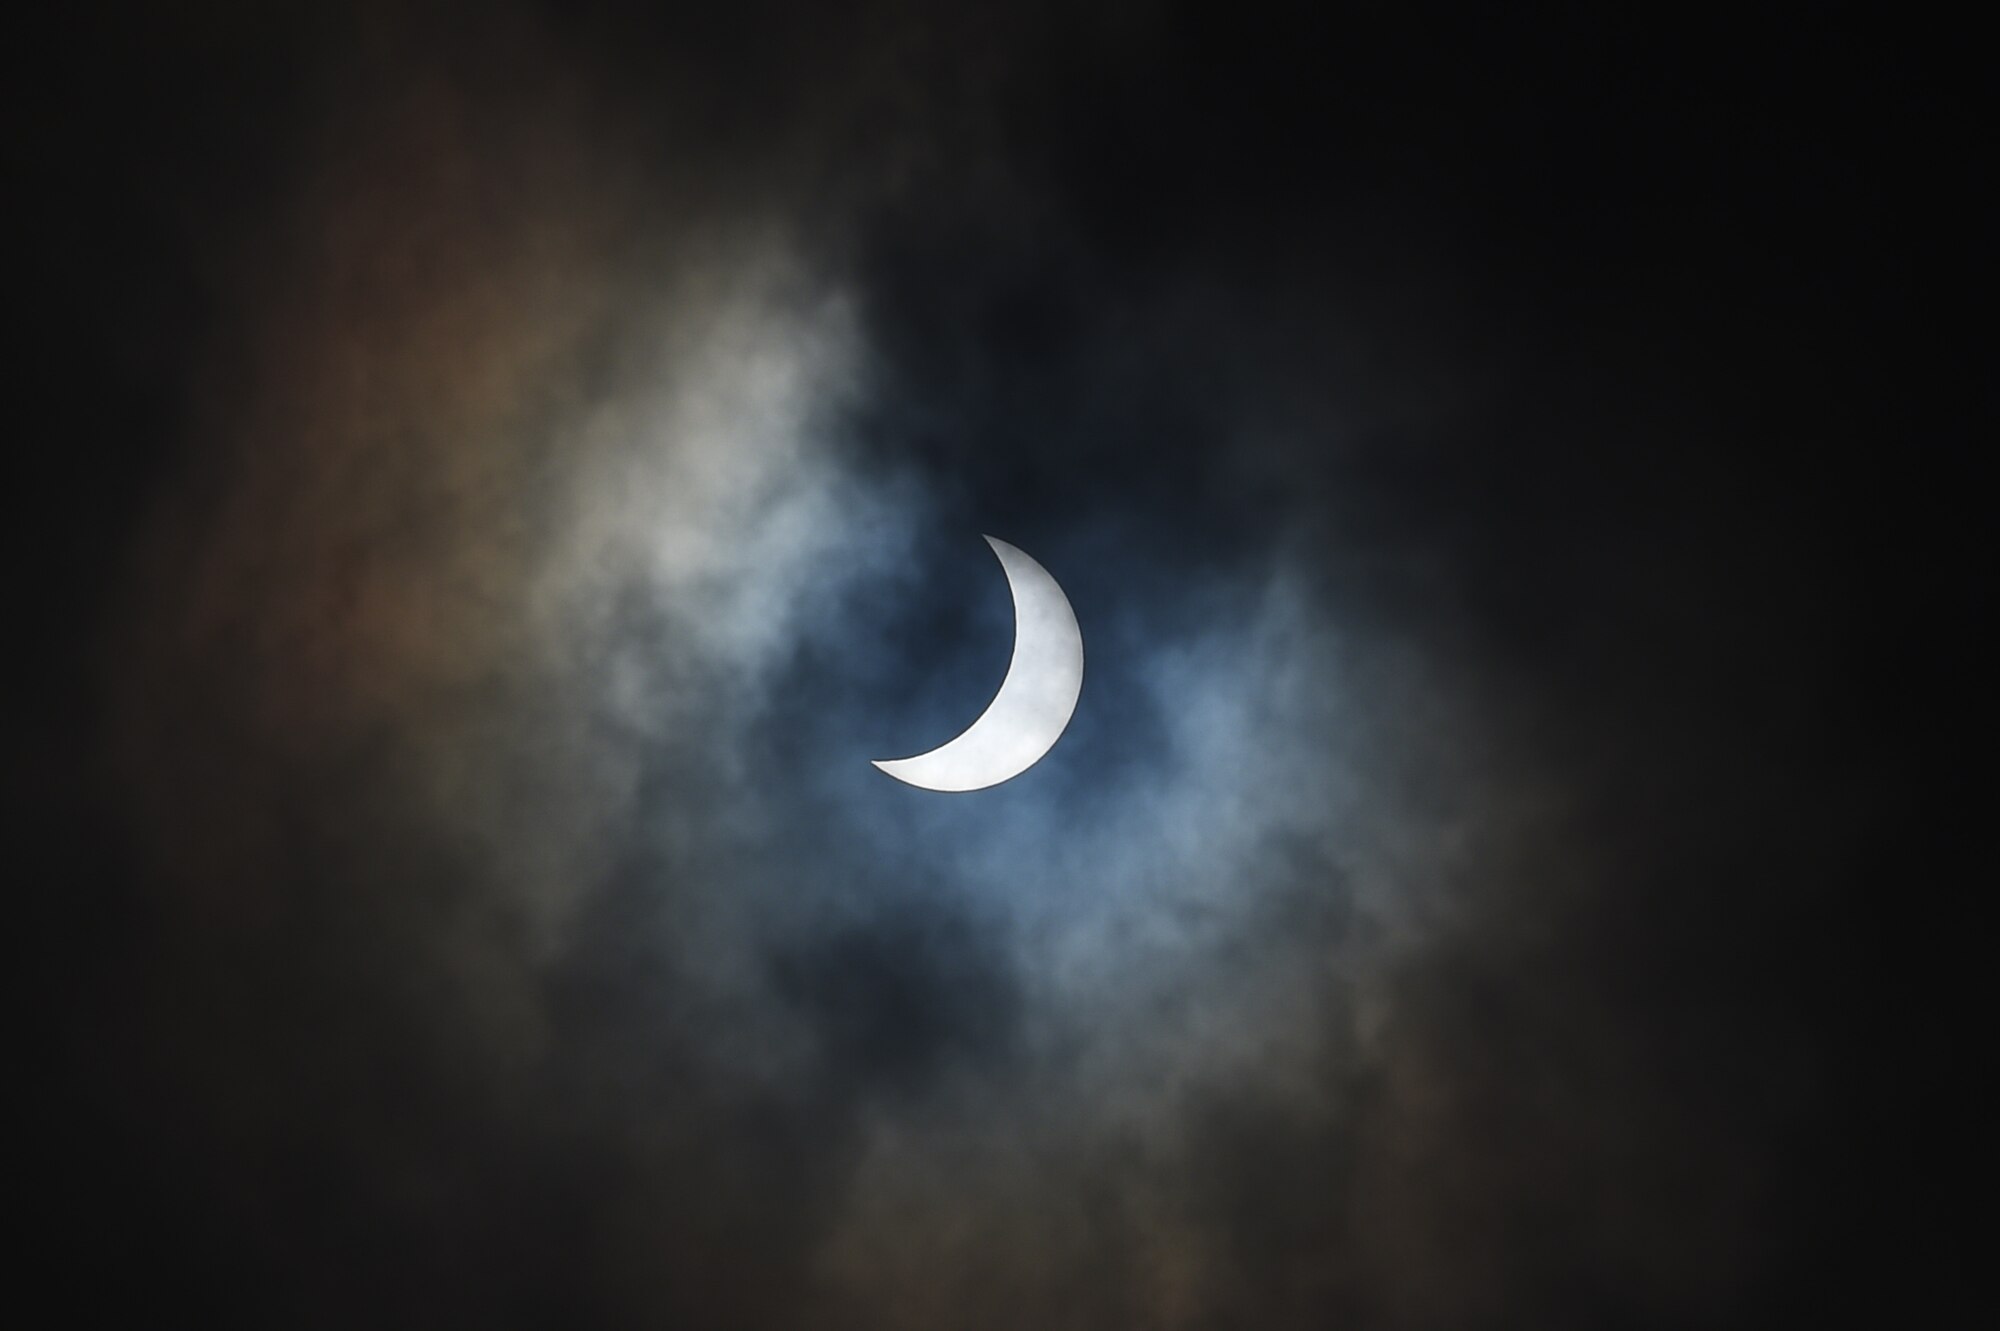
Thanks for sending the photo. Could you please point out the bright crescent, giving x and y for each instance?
(1035, 702)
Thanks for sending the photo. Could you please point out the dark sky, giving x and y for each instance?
(500, 473)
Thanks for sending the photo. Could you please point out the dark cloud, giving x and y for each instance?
(509, 473)
(895, 1002)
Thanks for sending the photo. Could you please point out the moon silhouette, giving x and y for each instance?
(1036, 699)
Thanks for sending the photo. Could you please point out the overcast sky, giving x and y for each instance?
(507, 473)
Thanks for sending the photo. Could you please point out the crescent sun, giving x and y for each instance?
(1036, 699)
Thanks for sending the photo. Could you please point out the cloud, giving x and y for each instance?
(583, 482)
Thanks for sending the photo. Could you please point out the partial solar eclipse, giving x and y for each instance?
(1036, 699)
